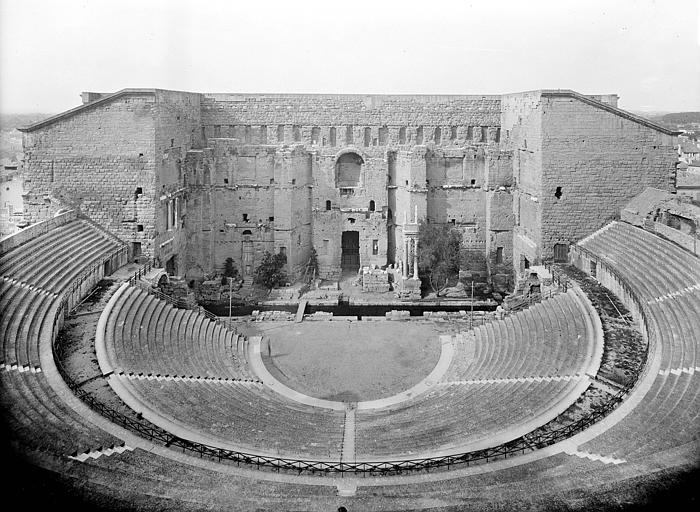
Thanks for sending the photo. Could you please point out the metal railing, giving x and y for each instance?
(142, 271)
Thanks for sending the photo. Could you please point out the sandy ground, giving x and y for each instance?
(351, 360)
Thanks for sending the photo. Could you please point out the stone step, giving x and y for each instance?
(348, 450)
(94, 454)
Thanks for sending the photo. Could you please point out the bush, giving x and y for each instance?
(439, 254)
(269, 273)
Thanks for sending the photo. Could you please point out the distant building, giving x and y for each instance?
(11, 212)
(688, 151)
(688, 181)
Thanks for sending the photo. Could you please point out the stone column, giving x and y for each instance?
(415, 258)
(405, 257)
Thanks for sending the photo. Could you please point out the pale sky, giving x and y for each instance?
(646, 51)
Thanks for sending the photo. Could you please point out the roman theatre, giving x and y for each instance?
(568, 383)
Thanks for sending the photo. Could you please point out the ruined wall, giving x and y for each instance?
(292, 205)
(594, 162)
(243, 201)
(177, 130)
(521, 128)
(390, 119)
(361, 206)
(100, 160)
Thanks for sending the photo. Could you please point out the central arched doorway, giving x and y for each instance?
(350, 256)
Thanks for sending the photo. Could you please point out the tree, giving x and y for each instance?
(439, 254)
(269, 273)
(312, 266)
(230, 269)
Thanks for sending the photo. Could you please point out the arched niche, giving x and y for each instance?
(348, 169)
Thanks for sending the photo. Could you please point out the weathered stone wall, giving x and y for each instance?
(595, 160)
(243, 201)
(308, 118)
(177, 130)
(96, 160)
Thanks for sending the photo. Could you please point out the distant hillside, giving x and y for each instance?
(680, 118)
(9, 122)
(10, 138)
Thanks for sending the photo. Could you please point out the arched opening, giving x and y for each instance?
(348, 168)
(328, 205)
(371, 205)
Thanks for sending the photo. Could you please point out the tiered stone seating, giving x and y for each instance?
(151, 337)
(667, 267)
(552, 333)
(660, 432)
(454, 416)
(53, 260)
(557, 341)
(248, 416)
(34, 275)
(667, 417)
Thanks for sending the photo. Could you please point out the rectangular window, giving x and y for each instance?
(176, 205)
(375, 247)
(325, 246)
(169, 216)
(499, 255)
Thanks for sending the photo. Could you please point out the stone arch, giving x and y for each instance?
(348, 168)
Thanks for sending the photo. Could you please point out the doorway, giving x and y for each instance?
(350, 244)
(248, 254)
(135, 251)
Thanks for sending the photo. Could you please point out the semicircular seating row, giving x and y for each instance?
(667, 279)
(34, 275)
